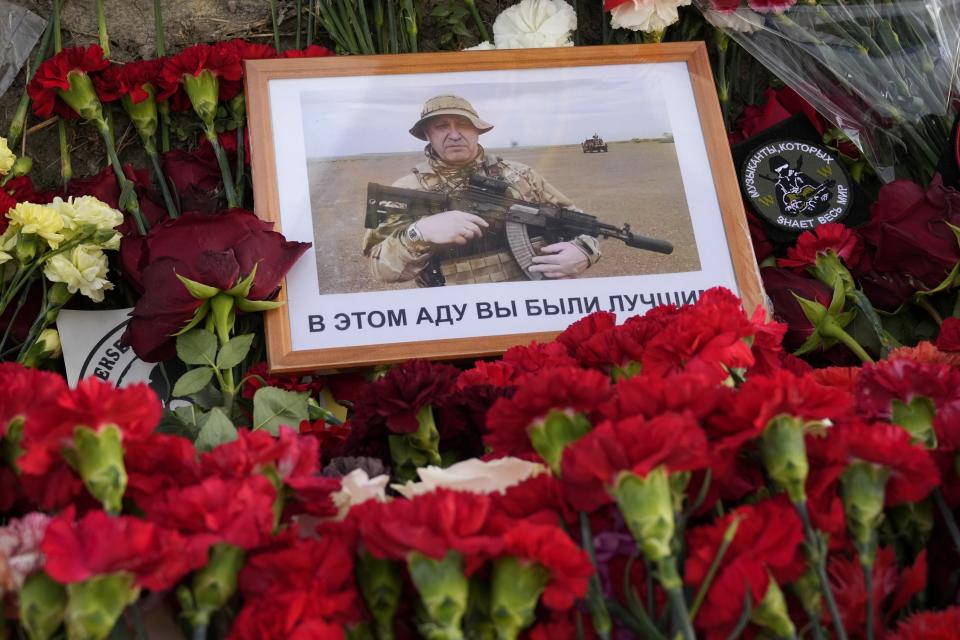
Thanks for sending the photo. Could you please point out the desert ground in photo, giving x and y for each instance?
(634, 182)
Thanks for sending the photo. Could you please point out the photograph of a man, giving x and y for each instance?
(459, 247)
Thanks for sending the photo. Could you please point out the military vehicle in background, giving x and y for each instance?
(594, 145)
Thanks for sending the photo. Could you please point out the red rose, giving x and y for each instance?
(593, 463)
(779, 105)
(782, 285)
(218, 251)
(98, 544)
(562, 389)
(768, 545)
(910, 233)
(53, 75)
(195, 178)
(832, 236)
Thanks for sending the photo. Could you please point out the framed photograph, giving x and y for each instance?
(462, 203)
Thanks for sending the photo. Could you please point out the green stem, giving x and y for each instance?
(924, 303)
(673, 585)
(159, 39)
(276, 26)
(362, 25)
(241, 163)
(472, 6)
(832, 330)
(948, 518)
(163, 108)
(595, 602)
(164, 189)
(102, 29)
(66, 168)
(714, 567)
(224, 168)
(128, 197)
(605, 24)
(817, 558)
(868, 585)
(392, 27)
(13, 317)
(19, 120)
(299, 10)
(410, 18)
(200, 632)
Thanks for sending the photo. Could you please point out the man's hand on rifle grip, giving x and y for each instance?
(451, 227)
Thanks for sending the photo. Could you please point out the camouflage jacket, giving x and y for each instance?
(393, 259)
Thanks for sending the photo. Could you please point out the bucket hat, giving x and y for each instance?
(448, 105)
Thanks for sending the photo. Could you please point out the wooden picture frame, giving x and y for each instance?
(338, 104)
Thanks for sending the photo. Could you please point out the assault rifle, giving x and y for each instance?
(487, 197)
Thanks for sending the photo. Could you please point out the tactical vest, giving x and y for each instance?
(486, 259)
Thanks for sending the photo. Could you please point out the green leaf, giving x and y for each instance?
(198, 290)
(253, 306)
(233, 353)
(273, 407)
(216, 430)
(181, 422)
(197, 347)
(192, 382)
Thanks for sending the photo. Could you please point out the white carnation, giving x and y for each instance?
(82, 269)
(535, 23)
(86, 211)
(476, 476)
(357, 487)
(486, 45)
(743, 19)
(646, 15)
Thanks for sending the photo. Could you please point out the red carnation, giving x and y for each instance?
(431, 524)
(313, 51)
(538, 499)
(284, 614)
(763, 398)
(843, 378)
(219, 251)
(913, 474)
(258, 376)
(949, 338)
(396, 398)
(767, 546)
(649, 396)
(157, 461)
(98, 544)
(827, 237)
(237, 511)
(585, 328)
(497, 374)
(7, 202)
(221, 59)
(892, 589)
(53, 75)
(593, 463)
(550, 547)
(904, 380)
(24, 390)
(537, 356)
(771, 6)
(929, 625)
(134, 410)
(128, 80)
(562, 389)
(252, 50)
(709, 335)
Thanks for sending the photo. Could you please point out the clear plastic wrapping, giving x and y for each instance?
(882, 71)
(19, 31)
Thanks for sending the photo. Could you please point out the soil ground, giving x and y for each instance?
(635, 182)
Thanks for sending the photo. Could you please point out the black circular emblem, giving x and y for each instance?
(796, 185)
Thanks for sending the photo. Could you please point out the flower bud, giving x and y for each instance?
(42, 605)
(913, 523)
(785, 455)
(807, 590)
(98, 457)
(418, 449)
(95, 605)
(143, 114)
(203, 91)
(647, 508)
(771, 613)
(863, 485)
(516, 588)
(22, 166)
(46, 346)
(213, 585)
(443, 592)
(382, 588)
(552, 435)
(829, 270)
(82, 97)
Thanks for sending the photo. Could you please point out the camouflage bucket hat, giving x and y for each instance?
(448, 105)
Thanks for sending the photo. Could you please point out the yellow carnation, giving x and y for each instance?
(86, 211)
(6, 157)
(82, 269)
(37, 219)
